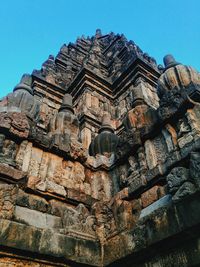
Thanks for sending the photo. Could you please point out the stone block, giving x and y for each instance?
(150, 153)
(27, 157)
(49, 242)
(80, 197)
(36, 218)
(56, 207)
(88, 100)
(195, 167)
(95, 102)
(53, 221)
(51, 187)
(8, 194)
(11, 174)
(185, 140)
(31, 201)
(149, 196)
(136, 185)
(179, 183)
(123, 194)
(35, 161)
(30, 217)
(162, 202)
(33, 181)
(13, 262)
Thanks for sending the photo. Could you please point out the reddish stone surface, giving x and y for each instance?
(151, 195)
(15, 122)
(11, 174)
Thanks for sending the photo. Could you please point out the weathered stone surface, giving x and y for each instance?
(162, 202)
(22, 97)
(105, 143)
(195, 167)
(150, 154)
(24, 155)
(48, 242)
(10, 262)
(51, 187)
(11, 174)
(185, 140)
(78, 222)
(129, 141)
(80, 197)
(136, 184)
(35, 161)
(73, 175)
(15, 123)
(101, 185)
(64, 127)
(153, 231)
(8, 150)
(31, 201)
(177, 76)
(141, 118)
(151, 195)
(142, 93)
(135, 201)
(36, 218)
(105, 222)
(8, 195)
(179, 183)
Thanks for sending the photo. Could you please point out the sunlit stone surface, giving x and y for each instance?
(100, 160)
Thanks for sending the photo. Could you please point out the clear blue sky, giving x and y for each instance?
(30, 30)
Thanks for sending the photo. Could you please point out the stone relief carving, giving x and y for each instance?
(7, 151)
(8, 195)
(129, 173)
(179, 183)
(195, 168)
(79, 222)
(15, 123)
(105, 223)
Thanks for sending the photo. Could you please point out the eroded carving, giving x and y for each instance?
(15, 123)
(7, 151)
(79, 222)
(22, 99)
(65, 124)
(195, 167)
(179, 183)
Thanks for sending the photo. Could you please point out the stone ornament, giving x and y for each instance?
(106, 141)
(176, 75)
(64, 126)
(179, 183)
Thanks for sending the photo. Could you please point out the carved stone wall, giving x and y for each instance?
(100, 159)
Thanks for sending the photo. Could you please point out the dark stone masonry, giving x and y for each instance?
(100, 160)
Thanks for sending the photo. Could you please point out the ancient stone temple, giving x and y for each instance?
(100, 160)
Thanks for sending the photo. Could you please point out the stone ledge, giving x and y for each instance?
(151, 231)
(157, 227)
(47, 242)
(11, 174)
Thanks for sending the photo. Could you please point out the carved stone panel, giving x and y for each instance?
(179, 183)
